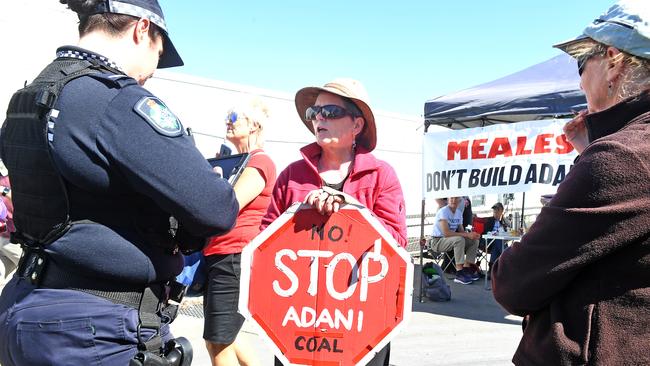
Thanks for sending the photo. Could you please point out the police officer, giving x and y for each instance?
(108, 191)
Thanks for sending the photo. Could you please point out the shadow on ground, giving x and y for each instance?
(471, 302)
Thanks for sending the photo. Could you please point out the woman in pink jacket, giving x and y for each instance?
(340, 160)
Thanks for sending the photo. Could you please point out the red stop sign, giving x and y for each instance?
(326, 290)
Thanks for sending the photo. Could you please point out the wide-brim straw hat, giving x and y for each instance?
(347, 88)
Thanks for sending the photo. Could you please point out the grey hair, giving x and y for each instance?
(636, 77)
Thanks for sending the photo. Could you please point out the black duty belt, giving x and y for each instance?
(129, 295)
(43, 272)
(151, 300)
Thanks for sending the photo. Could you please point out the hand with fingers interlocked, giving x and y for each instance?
(326, 200)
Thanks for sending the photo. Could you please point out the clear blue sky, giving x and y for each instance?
(404, 51)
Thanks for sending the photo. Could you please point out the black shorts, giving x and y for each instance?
(221, 298)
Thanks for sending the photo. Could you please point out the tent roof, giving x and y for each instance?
(545, 90)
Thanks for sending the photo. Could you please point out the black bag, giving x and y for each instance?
(435, 285)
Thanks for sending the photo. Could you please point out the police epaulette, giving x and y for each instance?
(115, 79)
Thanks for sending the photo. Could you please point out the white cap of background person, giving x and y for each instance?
(625, 26)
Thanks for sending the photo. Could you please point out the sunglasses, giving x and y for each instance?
(232, 117)
(329, 111)
(582, 61)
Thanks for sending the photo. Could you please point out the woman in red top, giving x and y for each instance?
(340, 160)
(223, 253)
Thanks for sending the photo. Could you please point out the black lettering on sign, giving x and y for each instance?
(501, 179)
(441, 180)
(515, 175)
(444, 179)
(335, 233)
(311, 344)
(474, 177)
(546, 174)
(559, 176)
(317, 344)
(336, 349)
(436, 181)
(460, 176)
(299, 343)
(319, 230)
(531, 176)
(324, 345)
(486, 177)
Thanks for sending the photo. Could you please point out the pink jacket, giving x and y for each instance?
(9, 218)
(373, 182)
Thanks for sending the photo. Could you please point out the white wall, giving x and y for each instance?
(30, 33)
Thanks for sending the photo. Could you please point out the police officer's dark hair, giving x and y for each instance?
(111, 23)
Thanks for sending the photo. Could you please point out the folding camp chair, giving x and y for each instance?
(444, 259)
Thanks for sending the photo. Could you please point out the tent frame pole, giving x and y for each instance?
(421, 246)
(426, 129)
(523, 204)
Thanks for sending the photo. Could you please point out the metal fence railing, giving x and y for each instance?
(414, 222)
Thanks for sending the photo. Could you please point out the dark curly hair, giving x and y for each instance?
(114, 24)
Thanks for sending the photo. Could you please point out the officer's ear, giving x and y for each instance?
(141, 30)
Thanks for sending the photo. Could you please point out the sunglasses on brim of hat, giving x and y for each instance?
(329, 111)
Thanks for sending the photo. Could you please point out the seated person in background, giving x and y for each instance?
(448, 234)
(447, 263)
(495, 224)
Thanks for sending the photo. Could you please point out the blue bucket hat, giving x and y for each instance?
(151, 10)
(626, 26)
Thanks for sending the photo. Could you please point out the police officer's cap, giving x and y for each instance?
(151, 10)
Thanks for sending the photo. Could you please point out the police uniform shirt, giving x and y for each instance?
(125, 158)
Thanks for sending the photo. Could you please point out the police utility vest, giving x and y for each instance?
(39, 195)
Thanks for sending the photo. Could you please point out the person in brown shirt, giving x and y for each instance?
(581, 274)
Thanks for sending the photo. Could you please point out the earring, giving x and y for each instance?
(354, 145)
(610, 90)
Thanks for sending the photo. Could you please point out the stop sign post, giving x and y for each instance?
(326, 290)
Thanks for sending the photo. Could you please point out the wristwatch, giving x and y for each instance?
(5, 191)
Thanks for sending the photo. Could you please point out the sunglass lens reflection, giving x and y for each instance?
(231, 118)
(310, 113)
(327, 111)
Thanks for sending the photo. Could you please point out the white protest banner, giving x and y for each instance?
(503, 158)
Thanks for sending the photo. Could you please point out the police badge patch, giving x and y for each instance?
(156, 113)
